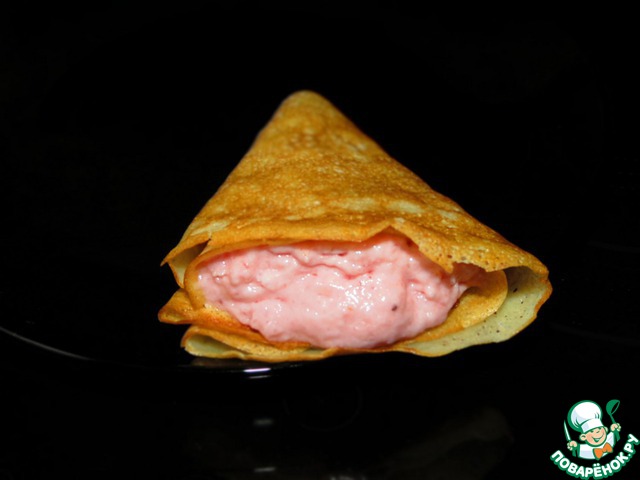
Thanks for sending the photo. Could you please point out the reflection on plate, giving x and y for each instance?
(252, 369)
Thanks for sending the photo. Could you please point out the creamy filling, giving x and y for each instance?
(334, 294)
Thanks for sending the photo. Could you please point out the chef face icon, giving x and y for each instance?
(585, 417)
(595, 437)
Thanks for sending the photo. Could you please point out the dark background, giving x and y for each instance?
(117, 123)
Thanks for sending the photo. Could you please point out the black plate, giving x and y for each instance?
(119, 125)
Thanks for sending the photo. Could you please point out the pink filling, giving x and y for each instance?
(334, 294)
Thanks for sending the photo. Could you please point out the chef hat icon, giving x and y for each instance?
(584, 416)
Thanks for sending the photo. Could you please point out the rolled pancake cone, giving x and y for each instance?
(311, 174)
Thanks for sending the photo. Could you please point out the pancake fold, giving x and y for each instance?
(311, 174)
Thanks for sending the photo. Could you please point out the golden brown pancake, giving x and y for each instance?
(311, 174)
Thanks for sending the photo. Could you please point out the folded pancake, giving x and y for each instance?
(285, 232)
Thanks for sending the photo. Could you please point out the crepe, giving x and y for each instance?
(311, 174)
